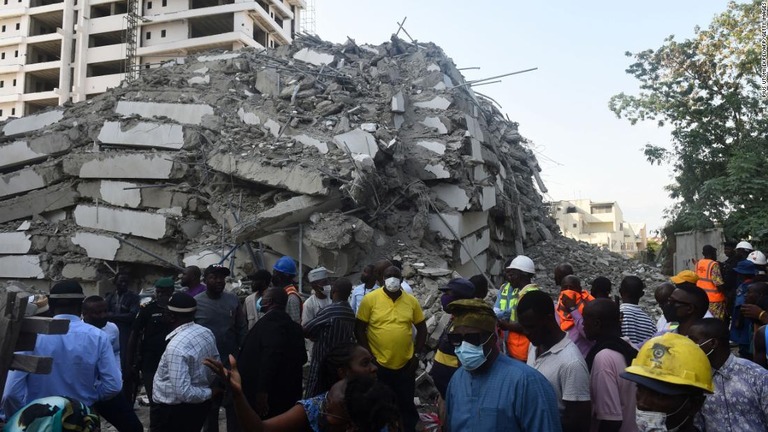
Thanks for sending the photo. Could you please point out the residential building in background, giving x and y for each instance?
(54, 51)
(601, 224)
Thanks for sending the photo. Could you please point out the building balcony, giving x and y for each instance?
(106, 53)
(184, 47)
(106, 24)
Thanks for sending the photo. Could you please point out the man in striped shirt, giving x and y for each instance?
(333, 325)
(636, 324)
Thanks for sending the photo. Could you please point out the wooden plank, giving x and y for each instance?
(32, 364)
(43, 325)
(12, 310)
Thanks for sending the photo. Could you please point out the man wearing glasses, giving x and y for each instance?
(686, 305)
(507, 394)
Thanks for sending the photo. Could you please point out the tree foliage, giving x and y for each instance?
(708, 90)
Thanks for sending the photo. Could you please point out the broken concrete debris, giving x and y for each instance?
(335, 154)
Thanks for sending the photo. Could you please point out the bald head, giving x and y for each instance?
(571, 282)
(561, 271)
(663, 292)
(378, 270)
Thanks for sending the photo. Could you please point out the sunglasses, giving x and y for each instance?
(476, 339)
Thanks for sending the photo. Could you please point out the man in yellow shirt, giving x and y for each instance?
(383, 326)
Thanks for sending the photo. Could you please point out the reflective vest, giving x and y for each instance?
(704, 268)
(517, 344)
(291, 290)
(581, 299)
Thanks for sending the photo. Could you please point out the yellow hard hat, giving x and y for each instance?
(670, 362)
(684, 276)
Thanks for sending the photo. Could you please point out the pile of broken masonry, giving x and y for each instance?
(356, 152)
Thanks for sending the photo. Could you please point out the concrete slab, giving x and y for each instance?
(182, 113)
(398, 120)
(452, 195)
(38, 148)
(476, 243)
(398, 103)
(340, 261)
(479, 172)
(38, 202)
(432, 146)
(438, 170)
(144, 134)
(438, 103)
(29, 179)
(488, 197)
(79, 271)
(435, 123)
(106, 247)
(313, 57)
(267, 82)
(272, 127)
(21, 266)
(15, 243)
(302, 180)
(115, 193)
(321, 146)
(32, 122)
(287, 213)
(357, 141)
(203, 259)
(124, 165)
(139, 223)
(469, 269)
(445, 84)
(473, 127)
(433, 68)
(217, 57)
(463, 224)
(248, 117)
(205, 79)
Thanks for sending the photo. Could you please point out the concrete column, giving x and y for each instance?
(81, 51)
(67, 43)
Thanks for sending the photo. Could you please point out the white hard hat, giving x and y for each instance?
(523, 263)
(758, 258)
(744, 245)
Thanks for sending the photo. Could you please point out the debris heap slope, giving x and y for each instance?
(354, 152)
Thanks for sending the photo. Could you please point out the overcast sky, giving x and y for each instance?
(583, 149)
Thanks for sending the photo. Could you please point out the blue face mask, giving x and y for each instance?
(258, 305)
(471, 356)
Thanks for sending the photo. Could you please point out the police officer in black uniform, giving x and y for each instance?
(147, 341)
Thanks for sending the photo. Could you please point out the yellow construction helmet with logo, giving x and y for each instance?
(671, 364)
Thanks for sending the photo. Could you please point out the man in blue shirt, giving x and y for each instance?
(84, 366)
(491, 391)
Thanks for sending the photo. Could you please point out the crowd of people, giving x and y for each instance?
(587, 359)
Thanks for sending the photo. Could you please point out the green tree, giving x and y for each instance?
(708, 90)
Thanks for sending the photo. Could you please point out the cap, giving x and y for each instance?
(317, 274)
(745, 267)
(216, 269)
(165, 282)
(523, 263)
(684, 276)
(182, 303)
(68, 289)
(473, 313)
(758, 258)
(744, 245)
(285, 265)
(462, 288)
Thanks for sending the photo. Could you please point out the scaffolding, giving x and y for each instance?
(308, 23)
(132, 19)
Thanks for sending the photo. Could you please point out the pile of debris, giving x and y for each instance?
(334, 154)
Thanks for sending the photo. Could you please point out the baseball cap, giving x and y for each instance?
(684, 276)
(463, 288)
(216, 269)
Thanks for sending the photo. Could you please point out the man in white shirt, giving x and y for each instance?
(182, 386)
(321, 294)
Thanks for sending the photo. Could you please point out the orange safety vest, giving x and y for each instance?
(704, 269)
(581, 299)
(517, 344)
(291, 290)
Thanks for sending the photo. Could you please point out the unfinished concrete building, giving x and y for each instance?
(54, 51)
(336, 155)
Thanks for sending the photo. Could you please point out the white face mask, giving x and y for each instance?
(392, 284)
(653, 421)
(327, 290)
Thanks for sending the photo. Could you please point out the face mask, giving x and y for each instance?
(653, 421)
(392, 284)
(710, 351)
(670, 312)
(471, 356)
(445, 299)
(258, 305)
(327, 290)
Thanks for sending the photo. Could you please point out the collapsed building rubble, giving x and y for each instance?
(355, 152)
